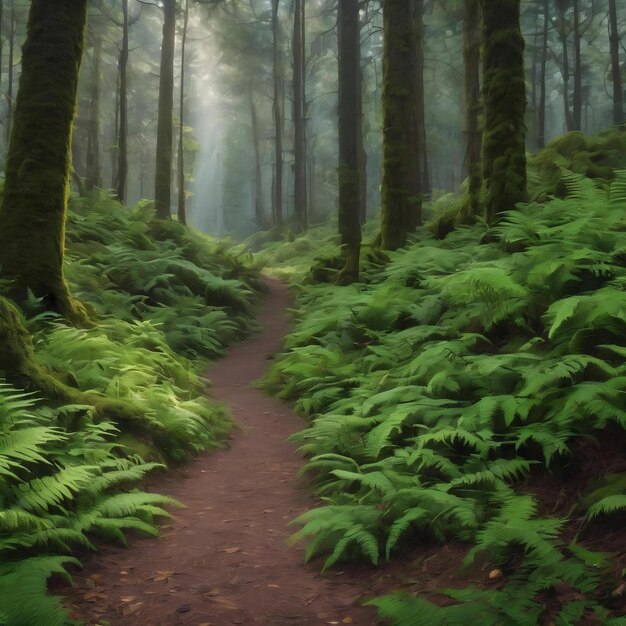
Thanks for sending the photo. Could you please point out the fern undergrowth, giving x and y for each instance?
(164, 300)
(442, 386)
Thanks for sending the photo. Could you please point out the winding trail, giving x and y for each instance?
(224, 559)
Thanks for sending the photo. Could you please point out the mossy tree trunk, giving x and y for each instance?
(473, 134)
(504, 96)
(11, 64)
(348, 29)
(616, 69)
(33, 211)
(400, 162)
(165, 131)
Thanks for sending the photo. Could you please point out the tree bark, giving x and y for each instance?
(33, 211)
(361, 153)
(504, 150)
(473, 134)
(122, 137)
(182, 208)
(10, 71)
(300, 196)
(348, 30)
(277, 72)
(400, 163)
(163, 169)
(618, 96)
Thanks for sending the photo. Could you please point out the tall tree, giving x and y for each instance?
(277, 73)
(504, 95)
(10, 70)
(298, 43)
(182, 210)
(32, 215)
(399, 191)
(616, 69)
(563, 33)
(473, 134)
(422, 151)
(348, 30)
(163, 169)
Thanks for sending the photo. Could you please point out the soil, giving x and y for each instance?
(224, 558)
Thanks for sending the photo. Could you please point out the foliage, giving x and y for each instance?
(64, 480)
(164, 300)
(440, 383)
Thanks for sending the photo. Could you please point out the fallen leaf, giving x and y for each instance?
(231, 550)
(495, 574)
(347, 620)
(128, 598)
(274, 586)
(185, 608)
(94, 596)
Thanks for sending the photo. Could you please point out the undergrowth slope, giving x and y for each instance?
(446, 387)
(164, 300)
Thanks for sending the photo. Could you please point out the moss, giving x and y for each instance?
(596, 157)
(504, 96)
(33, 211)
(398, 118)
(19, 366)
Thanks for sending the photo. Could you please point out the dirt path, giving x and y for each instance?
(223, 560)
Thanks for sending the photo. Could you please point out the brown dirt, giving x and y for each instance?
(224, 558)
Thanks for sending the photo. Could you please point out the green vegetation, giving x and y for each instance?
(446, 386)
(120, 398)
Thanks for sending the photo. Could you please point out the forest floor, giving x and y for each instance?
(224, 559)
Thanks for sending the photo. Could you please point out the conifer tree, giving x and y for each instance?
(349, 187)
(33, 211)
(504, 96)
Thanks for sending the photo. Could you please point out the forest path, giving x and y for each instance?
(224, 559)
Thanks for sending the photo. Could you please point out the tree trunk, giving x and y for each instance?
(473, 134)
(298, 118)
(259, 208)
(122, 137)
(182, 209)
(348, 30)
(541, 116)
(93, 125)
(163, 169)
(577, 98)
(32, 215)
(504, 150)
(277, 71)
(11, 62)
(400, 173)
(618, 96)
